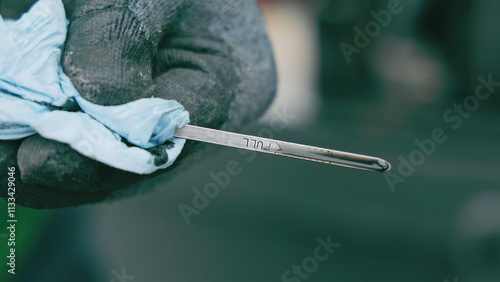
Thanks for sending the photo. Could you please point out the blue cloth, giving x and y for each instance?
(33, 84)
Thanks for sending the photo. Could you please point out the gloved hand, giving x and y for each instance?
(213, 57)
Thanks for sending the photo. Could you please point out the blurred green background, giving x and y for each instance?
(437, 220)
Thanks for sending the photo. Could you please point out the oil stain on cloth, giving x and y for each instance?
(36, 97)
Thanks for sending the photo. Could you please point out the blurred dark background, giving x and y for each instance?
(411, 67)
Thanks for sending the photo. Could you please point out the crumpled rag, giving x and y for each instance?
(34, 93)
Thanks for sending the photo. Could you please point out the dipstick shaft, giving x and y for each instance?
(282, 148)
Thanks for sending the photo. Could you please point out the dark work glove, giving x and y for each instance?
(213, 57)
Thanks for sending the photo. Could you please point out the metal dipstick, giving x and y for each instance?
(282, 148)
